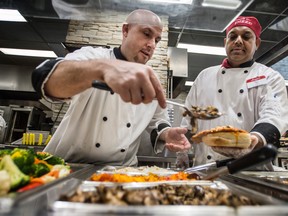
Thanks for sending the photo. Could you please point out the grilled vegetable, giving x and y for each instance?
(49, 158)
(4, 182)
(17, 178)
(23, 158)
(30, 186)
(39, 169)
(4, 152)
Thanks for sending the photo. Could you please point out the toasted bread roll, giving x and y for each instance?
(226, 136)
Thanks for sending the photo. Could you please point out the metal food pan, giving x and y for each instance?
(264, 174)
(277, 180)
(12, 199)
(264, 182)
(138, 185)
(76, 208)
(132, 171)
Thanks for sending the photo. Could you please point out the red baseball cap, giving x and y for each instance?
(249, 21)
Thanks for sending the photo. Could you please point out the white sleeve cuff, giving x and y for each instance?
(261, 136)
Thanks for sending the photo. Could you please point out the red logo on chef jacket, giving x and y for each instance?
(256, 81)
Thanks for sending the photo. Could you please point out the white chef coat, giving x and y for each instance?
(99, 127)
(248, 96)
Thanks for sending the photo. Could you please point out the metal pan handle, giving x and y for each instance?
(260, 156)
(221, 163)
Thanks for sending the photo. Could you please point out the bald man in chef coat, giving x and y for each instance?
(252, 95)
(104, 127)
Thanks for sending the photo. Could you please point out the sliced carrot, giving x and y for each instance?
(30, 186)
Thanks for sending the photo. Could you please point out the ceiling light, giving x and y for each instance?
(170, 1)
(11, 15)
(208, 50)
(222, 4)
(28, 52)
(189, 83)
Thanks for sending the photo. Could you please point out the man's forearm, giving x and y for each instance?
(70, 78)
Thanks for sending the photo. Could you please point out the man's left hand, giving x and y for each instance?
(175, 139)
(237, 152)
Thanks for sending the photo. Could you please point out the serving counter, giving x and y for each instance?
(44, 201)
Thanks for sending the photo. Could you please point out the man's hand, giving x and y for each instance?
(134, 82)
(175, 139)
(239, 152)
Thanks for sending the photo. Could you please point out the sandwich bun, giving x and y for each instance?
(224, 136)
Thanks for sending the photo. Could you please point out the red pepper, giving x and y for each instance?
(29, 186)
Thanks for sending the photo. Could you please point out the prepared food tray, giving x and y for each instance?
(272, 179)
(139, 174)
(133, 198)
(128, 197)
(141, 170)
(24, 172)
(270, 183)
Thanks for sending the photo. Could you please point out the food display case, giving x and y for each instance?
(54, 199)
(11, 202)
(271, 183)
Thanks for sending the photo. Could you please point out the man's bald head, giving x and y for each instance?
(144, 17)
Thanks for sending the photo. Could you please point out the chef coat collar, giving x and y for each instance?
(226, 64)
(118, 54)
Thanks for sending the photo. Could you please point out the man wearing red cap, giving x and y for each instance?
(252, 95)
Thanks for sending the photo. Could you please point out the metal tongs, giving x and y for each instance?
(258, 157)
(215, 164)
(191, 113)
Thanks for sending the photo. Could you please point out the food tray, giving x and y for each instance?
(270, 183)
(12, 199)
(272, 179)
(77, 208)
(132, 171)
(92, 184)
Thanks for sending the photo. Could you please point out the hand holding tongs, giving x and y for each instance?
(260, 156)
(191, 113)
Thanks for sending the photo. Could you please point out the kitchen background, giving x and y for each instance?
(63, 26)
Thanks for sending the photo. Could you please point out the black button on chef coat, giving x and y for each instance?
(246, 71)
(105, 118)
(128, 125)
(209, 157)
(241, 90)
(220, 90)
(122, 150)
(223, 72)
(239, 114)
(97, 145)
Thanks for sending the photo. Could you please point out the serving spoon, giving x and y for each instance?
(204, 113)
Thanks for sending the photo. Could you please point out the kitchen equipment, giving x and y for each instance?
(196, 114)
(215, 164)
(260, 156)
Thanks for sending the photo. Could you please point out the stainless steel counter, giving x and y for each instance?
(42, 202)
